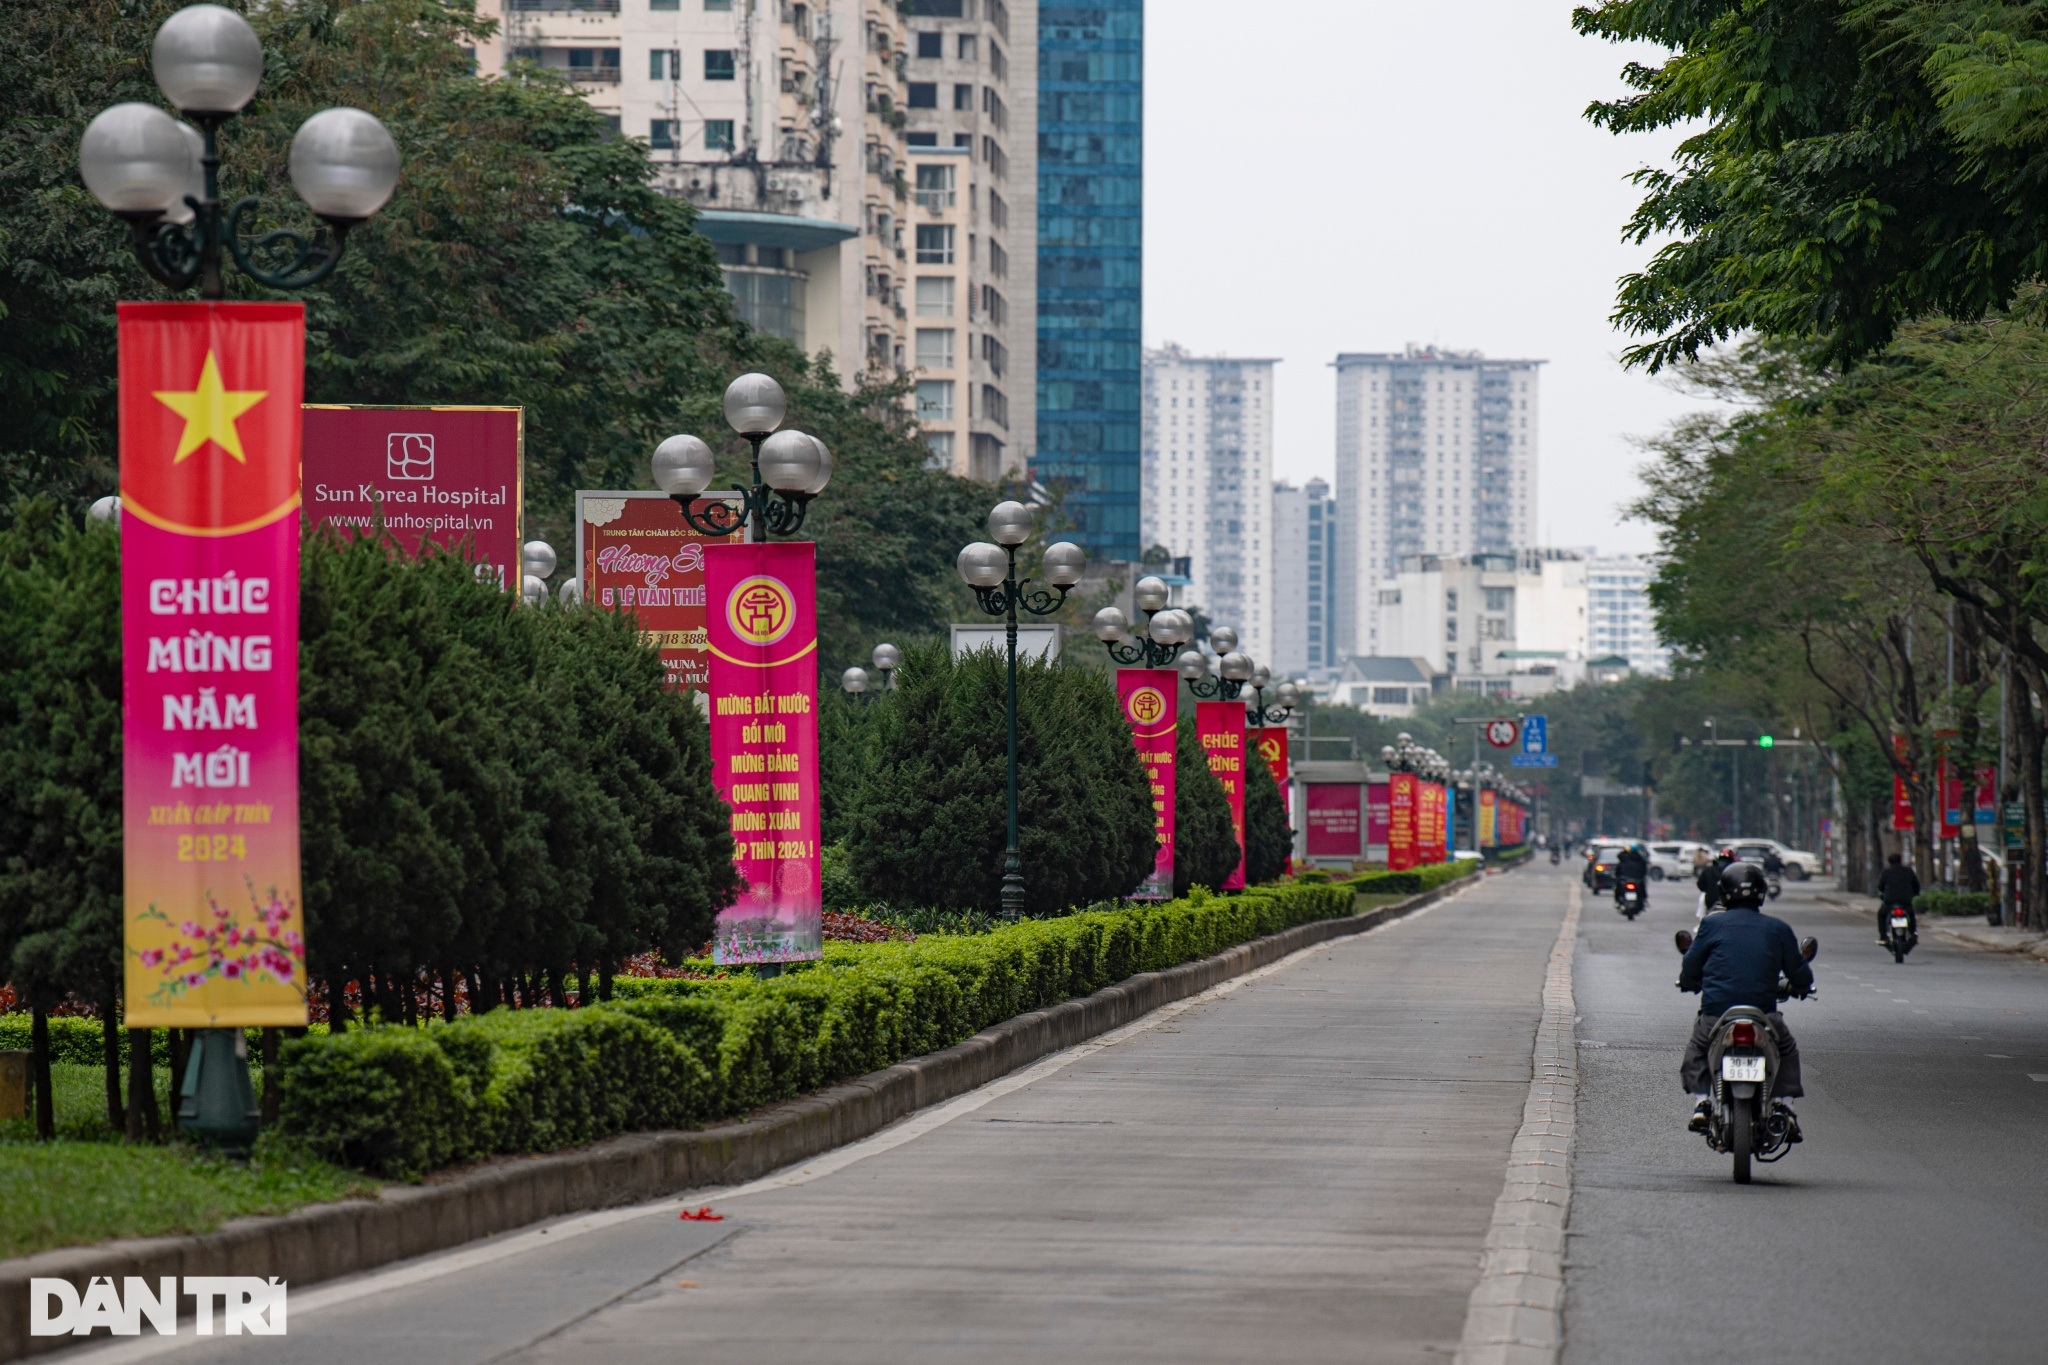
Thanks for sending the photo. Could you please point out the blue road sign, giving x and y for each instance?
(1536, 738)
(1533, 761)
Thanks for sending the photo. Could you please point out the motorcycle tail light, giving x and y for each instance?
(1742, 1035)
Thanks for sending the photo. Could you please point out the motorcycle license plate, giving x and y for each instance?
(1899, 923)
(1742, 1068)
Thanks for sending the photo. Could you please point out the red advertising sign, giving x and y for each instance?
(1986, 799)
(1403, 822)
(1376, 817)
(1220, 725)
(1902, 799)
(209, 411)
(1150, 698)
(444, 476)
(634, 552)
(1335, 819)
(763, 639)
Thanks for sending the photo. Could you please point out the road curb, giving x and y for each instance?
(327, 1241)
(1516, 1313)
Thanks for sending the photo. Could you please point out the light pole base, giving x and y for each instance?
(216, 1102)
(1013, 886)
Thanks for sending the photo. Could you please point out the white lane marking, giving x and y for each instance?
(905, 1130)
(2037, 1076)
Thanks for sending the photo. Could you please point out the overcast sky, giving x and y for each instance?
(1354, 175)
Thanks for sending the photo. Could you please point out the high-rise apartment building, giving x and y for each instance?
(971, 107)
(1305, 581)
(1619, 618)
(1090, 224)
(784, 122)
(1436, 455)
(1207, 441)
(1501, 622)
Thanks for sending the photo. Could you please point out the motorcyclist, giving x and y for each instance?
(1774, 866)
(1897, 885)
(1632, 864)
(1709, 882)
(1736, 960)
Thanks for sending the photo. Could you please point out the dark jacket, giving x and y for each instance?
(1736, 960)
(1632, 865)
(1897, 885)
(1709, 880)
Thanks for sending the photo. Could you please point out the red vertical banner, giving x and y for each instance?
(1433, 811)
(1984, 803)
(1271, 743)
(1335, 820)
(1220, 725)
(1949, 799)
(1902, 799)
(1491, 808)
(1403, 842)
(762, 623)
(635, 553)
(1150, 699)
(209, 410)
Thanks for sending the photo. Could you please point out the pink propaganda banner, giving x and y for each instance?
(1150, 698)
(1403, 822)
(635, 553)
(1220, 726)
(442, 476)
(761, 615)
(1376, 815)
(1334, 820)
(209, 413)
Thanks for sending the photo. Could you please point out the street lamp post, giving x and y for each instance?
(887, 659)
(790, 468)
(163, 176)
(991, 570)
(1286, 697)
(1233, 669)
(1166, 628)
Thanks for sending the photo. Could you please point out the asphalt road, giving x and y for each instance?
(1299, 1170)
(1910, 1226)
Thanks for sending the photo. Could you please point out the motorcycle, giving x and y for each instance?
(1745, 1121)
(1898, 932)
(1556, 855)
(1775, 887)
(1628, 899)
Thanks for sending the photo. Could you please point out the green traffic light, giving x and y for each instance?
(1763, 742)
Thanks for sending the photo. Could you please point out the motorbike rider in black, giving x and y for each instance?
(1709, 880)
(1632, 864)
(1896, 885)
(1736, 959)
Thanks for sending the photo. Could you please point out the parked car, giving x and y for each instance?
(1799, 864)
(1600, 856)
(1674, 860)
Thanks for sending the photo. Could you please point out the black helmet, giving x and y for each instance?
(1743, 884)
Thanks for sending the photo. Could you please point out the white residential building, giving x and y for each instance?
(789, 124)
(1619, 619)
(1510, 623)
(1436, 455)
(1206, 491)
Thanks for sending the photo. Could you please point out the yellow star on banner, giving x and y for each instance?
(210, 412)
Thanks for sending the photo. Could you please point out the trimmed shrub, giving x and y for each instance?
(1268, 841)
(1425, 878)
(927, 824)
(674, 1051)
(1943, 903)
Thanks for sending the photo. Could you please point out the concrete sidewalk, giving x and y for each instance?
(1300, 1169)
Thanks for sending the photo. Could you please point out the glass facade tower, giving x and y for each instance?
(1090, 254)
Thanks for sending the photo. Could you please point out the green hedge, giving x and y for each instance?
(1508, 857)
(1954, 903)
(667, 1053)
(1425, 878)
(74, 1038)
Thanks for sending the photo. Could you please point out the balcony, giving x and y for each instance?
(594, 75)
(936, 200)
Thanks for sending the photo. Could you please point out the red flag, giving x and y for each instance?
(1150, 698)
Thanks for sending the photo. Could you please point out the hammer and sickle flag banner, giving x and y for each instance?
(761, 618)
(1150, 699)
(209, 407)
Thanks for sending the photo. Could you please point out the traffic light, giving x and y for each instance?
(1763, 741)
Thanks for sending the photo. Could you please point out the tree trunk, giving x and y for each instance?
(2026, 733)
(143, 1119)
(272, 1095)
(110, 1054)
(39, 1065)
(180, 1051)
(604, 978)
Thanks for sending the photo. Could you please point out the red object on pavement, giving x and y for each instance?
(703, 1215)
